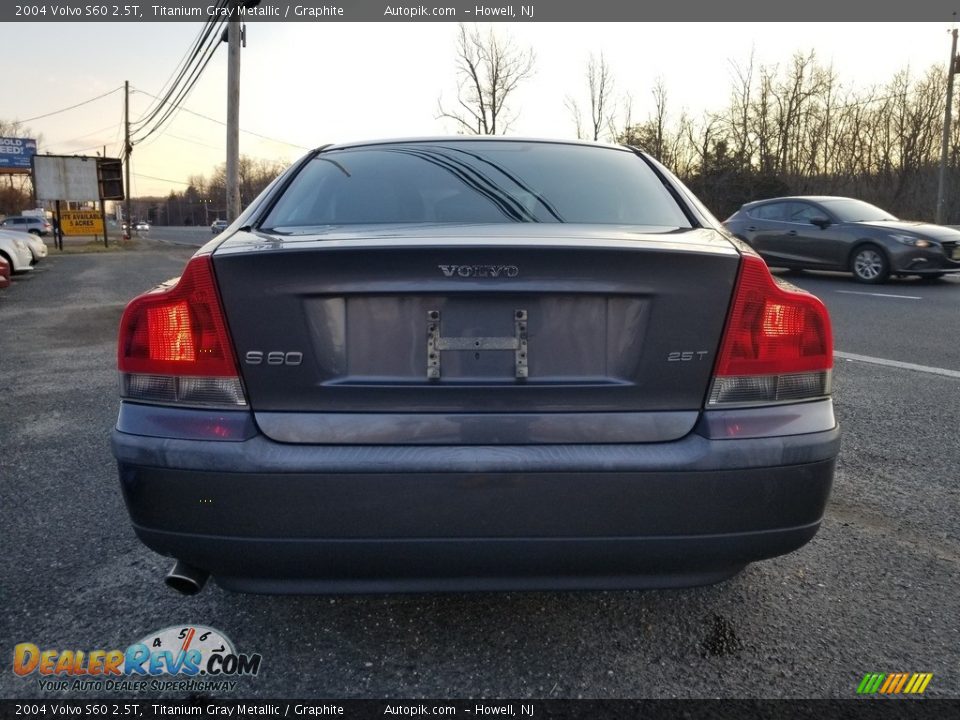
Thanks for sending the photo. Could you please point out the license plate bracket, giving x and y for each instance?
(438, 344)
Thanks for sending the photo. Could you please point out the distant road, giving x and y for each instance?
(193, 236)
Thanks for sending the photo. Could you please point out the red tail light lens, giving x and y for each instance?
(777, 346)
(170, 333)
(174, 345)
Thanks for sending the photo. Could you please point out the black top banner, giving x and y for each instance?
(517, 709)
(457, 11)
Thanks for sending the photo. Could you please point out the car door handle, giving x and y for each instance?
(751, 228)
(792, 232)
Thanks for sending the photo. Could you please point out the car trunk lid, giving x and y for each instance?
(476, 334)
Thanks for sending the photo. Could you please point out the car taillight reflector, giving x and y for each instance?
(777, 345)
(170, 333)
(174, 346)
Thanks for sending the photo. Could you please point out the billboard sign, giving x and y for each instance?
(81, 222)
(65, 177)
(15, 154)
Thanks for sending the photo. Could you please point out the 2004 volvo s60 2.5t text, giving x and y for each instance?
(448, 364)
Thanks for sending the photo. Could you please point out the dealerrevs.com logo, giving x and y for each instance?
(185, 658)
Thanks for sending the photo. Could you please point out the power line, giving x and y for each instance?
(72, 107)
(175, 104)
(151, 177)
(221, 122)
(188, 57)
(81, 137)
(195, 142)
(116, 138)
(82, 150)
(167, 106)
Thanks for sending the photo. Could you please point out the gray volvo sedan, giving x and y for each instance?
(461, 363)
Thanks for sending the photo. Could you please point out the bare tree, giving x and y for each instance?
(739, 111)
(489, 69)
(625, 132)
(804, 81)
(652, 134)
(600, 87)
(658, 122)
(13, 128)
(600, 82)
(574, 108)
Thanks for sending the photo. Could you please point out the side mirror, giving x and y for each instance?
(820, 221)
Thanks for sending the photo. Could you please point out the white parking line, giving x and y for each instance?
(902, 297)
(897, 364)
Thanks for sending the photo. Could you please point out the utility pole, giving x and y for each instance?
(103, 205)
(233, 115)
(952, 68)
(127, 150)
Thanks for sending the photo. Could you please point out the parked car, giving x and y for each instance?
(837, 233)
(14, 249)
(38, 248)
(28, 224)
(4, 273)
(218, 226)
(471, 363)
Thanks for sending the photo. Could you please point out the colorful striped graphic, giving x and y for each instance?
(894, 683)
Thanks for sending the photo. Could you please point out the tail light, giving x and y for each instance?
(777, 345)
(174, 346)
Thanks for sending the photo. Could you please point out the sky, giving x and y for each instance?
(308, 84)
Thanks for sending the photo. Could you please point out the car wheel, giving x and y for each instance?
(34, 232)
(869, 264)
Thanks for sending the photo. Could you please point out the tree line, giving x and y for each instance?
(204, 199)
(798, 130)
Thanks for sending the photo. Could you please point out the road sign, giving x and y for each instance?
(81, 222)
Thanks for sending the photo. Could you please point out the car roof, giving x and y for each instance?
(811, 198)
(470, 138)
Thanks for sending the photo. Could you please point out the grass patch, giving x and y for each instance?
(93, 246)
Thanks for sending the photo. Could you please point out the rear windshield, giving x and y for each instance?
(475, 182)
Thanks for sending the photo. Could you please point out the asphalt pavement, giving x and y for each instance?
(875, 591)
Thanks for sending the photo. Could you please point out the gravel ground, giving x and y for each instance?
(875, 591)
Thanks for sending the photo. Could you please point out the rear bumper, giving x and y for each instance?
(264, 516)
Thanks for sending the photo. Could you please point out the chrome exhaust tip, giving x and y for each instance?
(186, 579)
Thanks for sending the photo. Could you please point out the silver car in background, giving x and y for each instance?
(28, 224)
